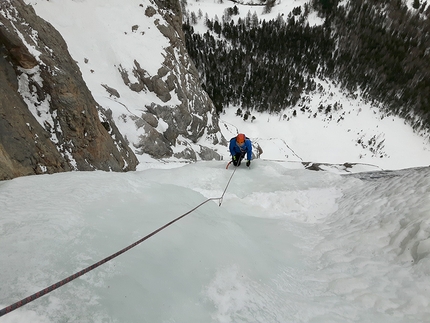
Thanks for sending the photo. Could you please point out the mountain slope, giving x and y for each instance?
(49, 121)
(134, 61)
(318, 117)
(379, 48)
(327, 125)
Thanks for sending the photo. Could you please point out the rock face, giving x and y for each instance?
(188, 121)
(49, 121)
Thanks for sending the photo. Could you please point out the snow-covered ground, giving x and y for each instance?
(356, 133)
(286, 245)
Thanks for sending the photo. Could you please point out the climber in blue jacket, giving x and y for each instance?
(239, 147)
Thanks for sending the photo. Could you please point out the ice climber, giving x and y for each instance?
(239, 147)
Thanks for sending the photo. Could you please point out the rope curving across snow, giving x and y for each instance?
(49, 289)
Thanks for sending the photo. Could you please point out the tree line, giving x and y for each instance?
(378, 46)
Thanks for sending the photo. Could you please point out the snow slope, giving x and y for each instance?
(286, 245)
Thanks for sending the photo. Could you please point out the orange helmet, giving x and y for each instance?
(240, 138)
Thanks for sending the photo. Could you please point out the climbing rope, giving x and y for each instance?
(228, 183)
(49, 289)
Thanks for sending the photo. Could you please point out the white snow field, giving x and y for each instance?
(286, 245)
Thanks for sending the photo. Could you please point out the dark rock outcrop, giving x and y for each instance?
(188, 121)
(49, 121)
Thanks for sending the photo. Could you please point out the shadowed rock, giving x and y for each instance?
(49, 121)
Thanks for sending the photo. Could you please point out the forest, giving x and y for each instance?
(380, 47)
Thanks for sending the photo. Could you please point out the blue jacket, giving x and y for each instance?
(236, 149)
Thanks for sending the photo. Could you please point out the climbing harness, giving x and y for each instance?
(49, 289)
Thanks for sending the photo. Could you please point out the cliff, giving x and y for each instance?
(49, 121)
(56, 114)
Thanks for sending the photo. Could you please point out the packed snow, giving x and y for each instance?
(287, 244)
